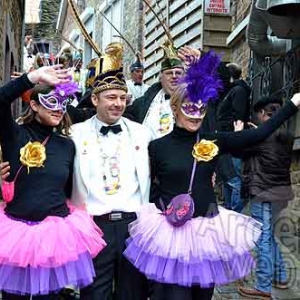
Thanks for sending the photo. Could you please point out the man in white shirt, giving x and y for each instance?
(136, 86)
(112, 179)
(153, 109)
(28, 57)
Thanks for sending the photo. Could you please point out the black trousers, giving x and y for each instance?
(116, 278)
(7, 296)
(176, 292)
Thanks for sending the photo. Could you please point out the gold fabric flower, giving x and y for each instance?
(205, 150)
(33, 155)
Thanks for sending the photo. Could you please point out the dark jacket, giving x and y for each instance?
(138, 110)
(235, 106)
(266, 169)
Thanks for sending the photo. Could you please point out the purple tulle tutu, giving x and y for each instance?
(204, 251)
(43, 257)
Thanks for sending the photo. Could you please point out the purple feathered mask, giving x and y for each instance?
(202, 85)
(59, 97)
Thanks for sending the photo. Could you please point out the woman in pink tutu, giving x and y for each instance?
(185, 242)
(45, 245)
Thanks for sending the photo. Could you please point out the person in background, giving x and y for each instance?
(234, 106)
(153, 109)
(78, 72)
(136, 86)
(28, 56)
(267, 185)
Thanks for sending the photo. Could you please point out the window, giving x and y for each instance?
(88, 53)
(42, 47)
(114, 12)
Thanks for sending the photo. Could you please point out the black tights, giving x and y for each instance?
(7, 296)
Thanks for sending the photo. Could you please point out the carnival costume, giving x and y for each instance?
(46, 243)
(194, 241)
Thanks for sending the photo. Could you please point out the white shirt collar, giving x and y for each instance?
(100, 123)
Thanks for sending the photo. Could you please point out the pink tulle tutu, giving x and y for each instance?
(43, 257)
(204, 251)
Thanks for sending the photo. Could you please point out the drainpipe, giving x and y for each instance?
(259, 40)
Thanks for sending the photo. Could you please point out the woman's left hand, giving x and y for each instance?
(51, 75)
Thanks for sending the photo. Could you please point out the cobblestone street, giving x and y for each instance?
(290, 245)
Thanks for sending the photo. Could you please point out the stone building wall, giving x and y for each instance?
(132, 26)
(11, 20)
(240, 51)
(44, 32)
(11, 42)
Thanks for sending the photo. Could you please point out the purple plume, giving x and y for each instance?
(66, 90)
(203, 82)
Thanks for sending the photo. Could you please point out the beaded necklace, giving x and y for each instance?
(110, 158)
(165, 117)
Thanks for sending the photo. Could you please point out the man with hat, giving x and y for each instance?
(112, 178)
(136, 86)
(153, 109)
(267, 184)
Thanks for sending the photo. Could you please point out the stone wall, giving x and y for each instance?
(240, 10)
(11, 20)
(133, 29)
(132, 26)
(45, 30)
(240, 54)
(240, 51)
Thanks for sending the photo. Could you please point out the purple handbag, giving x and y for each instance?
(181, 207)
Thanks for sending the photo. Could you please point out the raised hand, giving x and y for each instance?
(15, 75)
(238, 125)
(51, 75)
(189, 55)
(296, 99)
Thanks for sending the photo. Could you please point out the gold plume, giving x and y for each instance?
(82, 28)
(112, 59)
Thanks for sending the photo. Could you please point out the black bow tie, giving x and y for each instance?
(29, 56)
(114, 128)
(138, 83)
(167, 96)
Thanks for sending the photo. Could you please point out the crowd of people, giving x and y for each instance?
(109, 187)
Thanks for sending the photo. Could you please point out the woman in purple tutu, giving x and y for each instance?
(185, 242)
(45, 243)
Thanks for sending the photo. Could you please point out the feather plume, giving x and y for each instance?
(202, 80)
(161, 21)
(82, 28)
(66, 90)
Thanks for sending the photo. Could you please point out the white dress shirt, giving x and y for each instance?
(128, 197)
(136, 91)
(159, 118)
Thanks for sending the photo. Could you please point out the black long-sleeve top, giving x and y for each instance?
(171, 161)
(43, 191)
